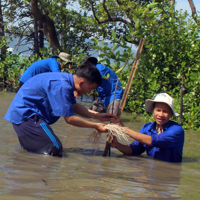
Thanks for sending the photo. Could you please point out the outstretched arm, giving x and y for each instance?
(77, 121)
(83, 111)
(140, 137)
(125, 149)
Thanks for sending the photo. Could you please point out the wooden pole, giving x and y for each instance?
(132, 75)
(181, 105)
(70, 67)
(125, 95)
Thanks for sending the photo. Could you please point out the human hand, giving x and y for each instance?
(76, 95)
(116, 120)
(103, 116)
(114, 142)
(100, 127)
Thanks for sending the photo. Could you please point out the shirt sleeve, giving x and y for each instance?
(61, 99)
(172, 137)
(137, 148)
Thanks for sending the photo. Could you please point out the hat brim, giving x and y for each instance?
(65, 59)
(149, 106)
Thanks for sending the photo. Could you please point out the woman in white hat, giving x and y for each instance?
(46, 65)
(162, 139)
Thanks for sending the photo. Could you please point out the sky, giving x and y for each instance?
(183, 4)
(180, 4)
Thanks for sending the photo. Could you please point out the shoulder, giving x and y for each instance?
(103, 69)
(50, 60)
(175, 126)
(40, 62)
(149, 124)
(101, 66)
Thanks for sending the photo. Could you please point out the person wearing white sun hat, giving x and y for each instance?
(162, 139)
(163, 98)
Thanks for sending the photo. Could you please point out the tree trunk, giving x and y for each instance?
(63, 29)
(193, 9)
(48, 24)
(36, 47)
(41, 35)
(181, 104)
(2, 34)
(3, 49)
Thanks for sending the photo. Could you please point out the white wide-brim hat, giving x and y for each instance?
(162, 98)
(65, 57)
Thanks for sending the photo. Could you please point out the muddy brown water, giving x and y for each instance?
(82, 173)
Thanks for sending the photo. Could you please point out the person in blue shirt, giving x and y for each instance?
(43, 99)
(107, 96)
(46, 65)
(162, 139)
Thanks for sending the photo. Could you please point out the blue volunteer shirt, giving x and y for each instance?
(107, 88)
(48, 95)
(166, 146)
(40, 66)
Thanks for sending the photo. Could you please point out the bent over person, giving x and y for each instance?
(109, 96)
(162, 139)
(46, 65)
(43, 99)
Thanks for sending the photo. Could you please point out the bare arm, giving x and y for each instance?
(125, 149)
(140, 137)
(83, 111)
(77, 121)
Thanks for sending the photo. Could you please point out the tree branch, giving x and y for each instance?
(193, 9)
(108, 14)
(110, 19)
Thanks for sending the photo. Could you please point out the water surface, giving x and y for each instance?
(84, 174)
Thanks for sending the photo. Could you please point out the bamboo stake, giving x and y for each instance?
(132, 75)
(70, 67)
(181, 104)
(107, 148)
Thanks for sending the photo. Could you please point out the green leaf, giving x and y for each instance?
(113, 34)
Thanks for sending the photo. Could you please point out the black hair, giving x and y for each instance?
(93, 60)
(55, 56)
(89, 72)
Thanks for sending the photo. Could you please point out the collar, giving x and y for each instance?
(153, 126)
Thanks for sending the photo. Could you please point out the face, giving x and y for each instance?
(161, 113)
(86, 87)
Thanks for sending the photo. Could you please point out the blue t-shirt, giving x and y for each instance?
(48, 95)
(107, 88)
(40, 66)
(166, 146)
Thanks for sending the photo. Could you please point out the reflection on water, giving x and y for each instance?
(84, 174)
